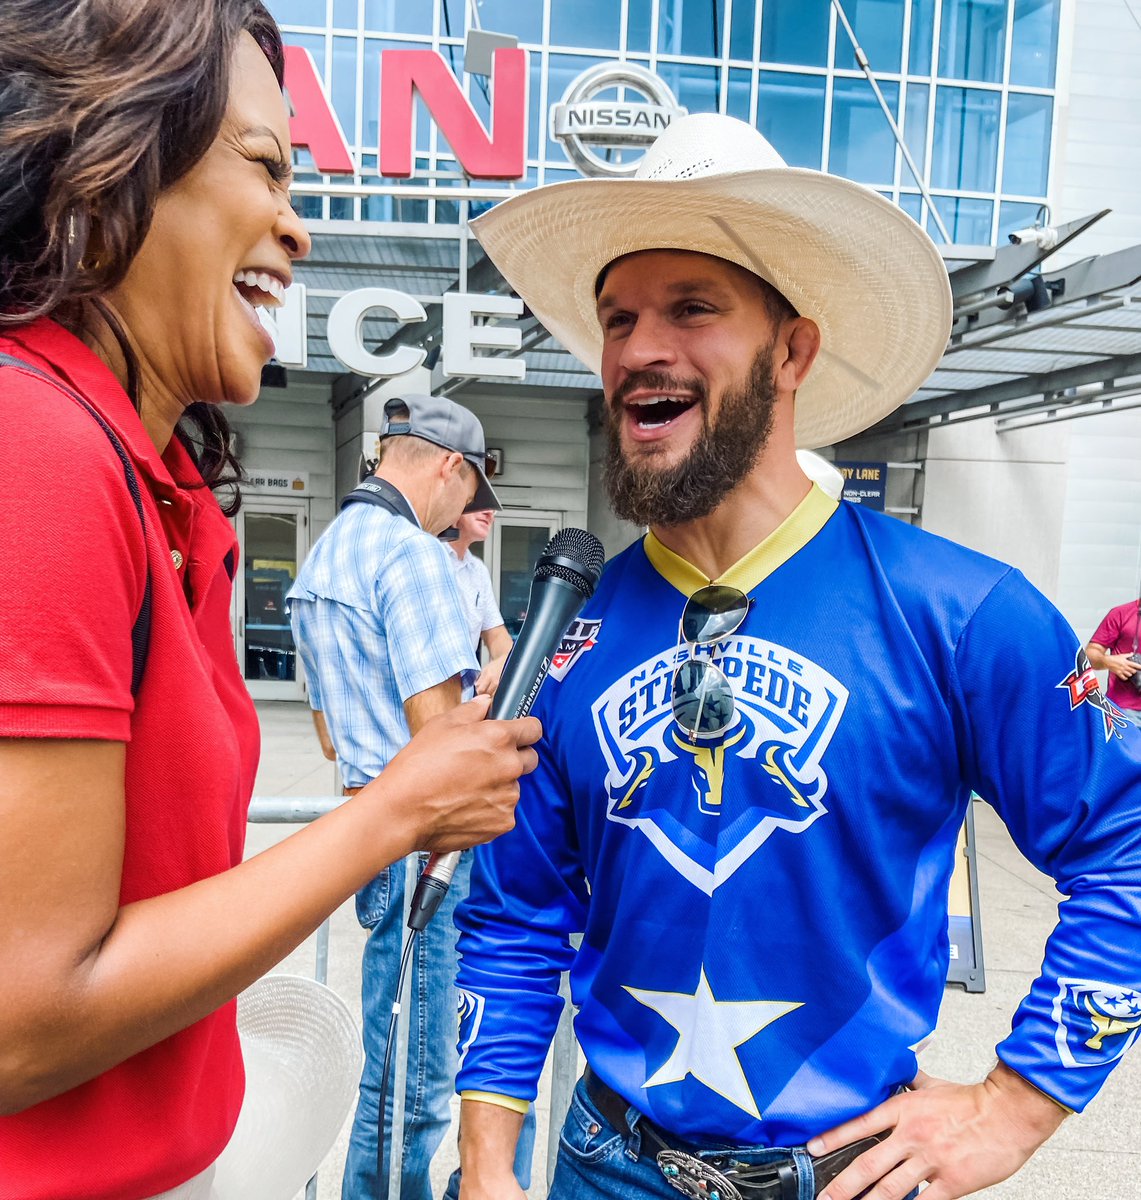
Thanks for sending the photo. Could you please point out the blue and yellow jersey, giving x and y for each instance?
(764, 919)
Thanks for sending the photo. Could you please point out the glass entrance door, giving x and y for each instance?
(273, 535)
(517, 539)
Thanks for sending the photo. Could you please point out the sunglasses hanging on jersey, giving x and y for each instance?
(701, 697)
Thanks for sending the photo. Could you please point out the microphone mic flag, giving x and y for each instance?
(565, 578)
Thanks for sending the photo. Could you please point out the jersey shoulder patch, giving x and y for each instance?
(578, 639)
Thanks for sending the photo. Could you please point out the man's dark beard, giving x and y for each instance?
(724, 453)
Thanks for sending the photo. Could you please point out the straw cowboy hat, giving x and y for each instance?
(862, 269)
(303, 1056)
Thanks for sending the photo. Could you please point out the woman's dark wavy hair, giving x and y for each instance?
(103, 105)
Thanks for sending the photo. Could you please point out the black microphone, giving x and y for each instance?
(565, 578)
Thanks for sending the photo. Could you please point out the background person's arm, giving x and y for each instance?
(87, 984)
(1115, 630)
(431, 702)
(498, 642)
(1102, 659)
(327, 747)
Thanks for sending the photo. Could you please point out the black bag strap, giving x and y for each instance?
(380, 492)
(141, 630)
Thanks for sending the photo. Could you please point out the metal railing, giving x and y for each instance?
(300, 810)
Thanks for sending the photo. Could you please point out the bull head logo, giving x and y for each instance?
(708, 768)
(770, 756)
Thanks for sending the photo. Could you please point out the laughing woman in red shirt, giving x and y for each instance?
(144, 216)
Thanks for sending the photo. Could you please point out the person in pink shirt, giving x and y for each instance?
(1113, 648)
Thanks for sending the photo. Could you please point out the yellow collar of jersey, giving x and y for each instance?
(796, 531)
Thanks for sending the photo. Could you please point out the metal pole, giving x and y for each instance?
(564, 1069)
(322, 974)
(291, 810)
(1051, 416)
(400, 1080)
(465, 238)
(564, 1074)
(865, 66)
(321, 968)
(1002, 330)
(977, 980)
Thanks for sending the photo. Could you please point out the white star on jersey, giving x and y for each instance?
(709, 1032)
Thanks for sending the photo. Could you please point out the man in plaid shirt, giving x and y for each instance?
(382, 632)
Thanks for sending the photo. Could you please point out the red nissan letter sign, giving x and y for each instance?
(500, 155)
(314, 124)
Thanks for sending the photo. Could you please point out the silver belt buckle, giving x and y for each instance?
(693, 1177)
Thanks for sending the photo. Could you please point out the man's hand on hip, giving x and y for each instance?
(958, 1138)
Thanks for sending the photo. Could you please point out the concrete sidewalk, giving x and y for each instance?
(1095, 1156)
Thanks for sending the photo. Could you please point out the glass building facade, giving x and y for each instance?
(971, 84)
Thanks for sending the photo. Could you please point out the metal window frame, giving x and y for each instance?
(898, 184)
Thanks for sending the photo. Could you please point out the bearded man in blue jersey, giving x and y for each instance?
(762, 735)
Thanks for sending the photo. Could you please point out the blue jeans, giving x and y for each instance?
(431, 1016)
(598, 1162)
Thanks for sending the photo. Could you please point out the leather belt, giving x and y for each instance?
(718, 1173)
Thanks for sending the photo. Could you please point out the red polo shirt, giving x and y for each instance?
(73, 562)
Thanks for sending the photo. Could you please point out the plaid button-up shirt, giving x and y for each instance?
(377, 617)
